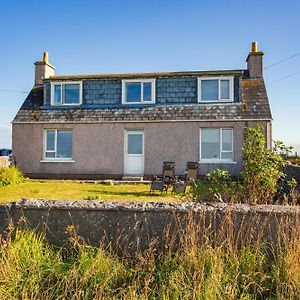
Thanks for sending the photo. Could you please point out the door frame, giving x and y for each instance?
(134, 131)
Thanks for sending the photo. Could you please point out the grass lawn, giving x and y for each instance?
(72, 190)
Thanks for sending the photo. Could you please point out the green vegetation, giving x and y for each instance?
(73, 190)
(32, 269)
(10, 176)
(218, 186)
(263, 167)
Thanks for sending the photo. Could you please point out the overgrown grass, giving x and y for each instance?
(32, 269)
(73, 190)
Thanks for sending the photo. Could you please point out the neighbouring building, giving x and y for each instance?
(111, 125)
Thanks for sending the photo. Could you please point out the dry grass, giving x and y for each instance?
(201, 267)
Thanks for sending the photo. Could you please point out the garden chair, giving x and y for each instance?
(191, 172)
(168, 172)
(190, 178)
(168, 178)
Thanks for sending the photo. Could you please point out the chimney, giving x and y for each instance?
(255, 62)
(43, 70)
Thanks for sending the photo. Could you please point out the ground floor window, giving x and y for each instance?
(58, 144)
(216, 144)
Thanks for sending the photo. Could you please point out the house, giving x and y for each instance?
(113, 125)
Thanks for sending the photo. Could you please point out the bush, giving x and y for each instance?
(263, 167)
(218, 185)
(10, 176)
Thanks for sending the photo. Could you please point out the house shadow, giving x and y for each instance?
(124, 193)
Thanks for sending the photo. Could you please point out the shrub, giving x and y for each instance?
(10, 176)
(263, 167)
(218, 185)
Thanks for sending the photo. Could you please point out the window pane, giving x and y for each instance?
(64, 144)
(72, 93)
(50, 154)
(210, 143)
(135, 143)
(57, 93)
(147, 91)
(225, 89)
(209, 90)
(133, 92)
(227, 155)
(227, 139)
(50, 140)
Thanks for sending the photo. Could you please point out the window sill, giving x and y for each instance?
(216, 102)
(217, 162)
(139, 103)
(66, 104)
(57, 161)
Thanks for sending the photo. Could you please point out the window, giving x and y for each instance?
(135, 143)
(216, 144)
(66, 93)
(58, 144)
(138, 91)
(213, 89)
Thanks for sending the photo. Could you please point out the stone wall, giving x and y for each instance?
(131, 226)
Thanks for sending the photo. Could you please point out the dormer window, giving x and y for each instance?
(66, 93)
(138, 91)
(215, 89)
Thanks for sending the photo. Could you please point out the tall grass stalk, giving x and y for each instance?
(220, 261)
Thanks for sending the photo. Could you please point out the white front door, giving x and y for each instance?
(134, 152)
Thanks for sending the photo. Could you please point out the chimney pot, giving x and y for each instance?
(45, 57)
(254, 47)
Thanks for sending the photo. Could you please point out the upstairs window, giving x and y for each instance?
(58, 144)
(214, 89)
(216, 144)
(138, 91)
(66, 93)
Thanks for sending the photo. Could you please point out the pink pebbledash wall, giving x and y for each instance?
(98, 148)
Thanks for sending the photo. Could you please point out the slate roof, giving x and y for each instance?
(254, 106)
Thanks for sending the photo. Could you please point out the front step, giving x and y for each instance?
(132, 178)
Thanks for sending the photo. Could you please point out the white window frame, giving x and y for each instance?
(231, 89)
(55, 159)
(152, 81)
(62, 83)
(218, 160)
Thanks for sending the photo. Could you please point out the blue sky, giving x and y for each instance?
(143, 36)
